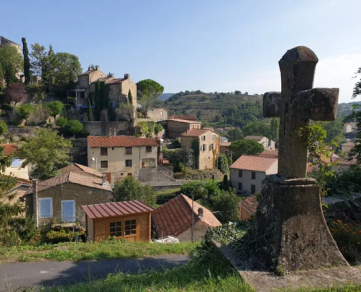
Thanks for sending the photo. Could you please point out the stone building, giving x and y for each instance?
(174, 218)
(208, 141)
(224, 148)
(15, 167)
(248, 172)
(267, 143)
(118, 89)
(157, 114)
(6, 42)
(175, 127)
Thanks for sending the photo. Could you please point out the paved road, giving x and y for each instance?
(14, 276)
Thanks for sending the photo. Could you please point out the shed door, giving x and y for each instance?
(68, 210)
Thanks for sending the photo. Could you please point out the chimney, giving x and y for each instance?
(200, 213)
(104, 181)
(97, 67)
(35, 201)
(89, 68)
(126, 76)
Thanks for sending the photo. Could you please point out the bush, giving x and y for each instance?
(60, 236)
(223, 163)
(3, 128)
(55, 107)
(74, 127)
(24, 111)
(62, 122)
(39, 115)
(227, 203)
(7, 107)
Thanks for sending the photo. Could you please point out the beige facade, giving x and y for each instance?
(17, 171)
(157, 114)
(177, 127)
(224, 148)
(208, 146)
(267, 143)
(346, 147)
(120, 162)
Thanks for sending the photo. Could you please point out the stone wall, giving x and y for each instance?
(348, 211)
(102, 128)
(153, 175)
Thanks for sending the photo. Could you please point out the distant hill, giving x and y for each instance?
(165, 96)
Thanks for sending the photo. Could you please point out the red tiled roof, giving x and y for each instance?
(81, 169)
(9, 148)
(270, 153)
(119, 141)
(250, 204)
(185, 121)
(175, 216)
(254, 163)
(116, 209)
(196, 132)
(255, 138)
(183, 117)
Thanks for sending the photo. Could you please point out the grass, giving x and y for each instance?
(77, 251)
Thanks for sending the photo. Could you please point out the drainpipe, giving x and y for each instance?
(35, 201)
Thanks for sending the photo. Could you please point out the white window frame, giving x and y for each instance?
(74, 213)
(51, 207)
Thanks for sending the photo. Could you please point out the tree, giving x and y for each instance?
(274, 132)
(24, 111)
(356, 151)
(227, 203)
(245, 147)
(48, 66)
(55, 107)
(47, 152)
(38, 56)
(36, 92)
(74, 127)
(257, 129)
(90, 110)
(130, 189)
(148, 92)
(3, 128)
(15, 93)
(223, 163)
(334, 130)
(198, 114)
(234, 134)
(11, 63)
(62, 122)
(2, 84)
(27, 66)
(130, 97)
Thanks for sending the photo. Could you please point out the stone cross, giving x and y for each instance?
(295, 105)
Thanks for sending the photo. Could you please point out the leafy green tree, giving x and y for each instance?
(258, 128)
(55, 107)
(15, 93)
(46, 151)
(131, 189)
(195, 147)
(38, 57)
(3, 128)
(334, 130)
(2, 84)
(245, 147)
(223, 163)
(11, 62)
(199, 114)
(27, 66)
(74, 127)
(274, 132)
(234, 134)
(130, 97)
(148, 92)
(36, 92)
(49, 64)
(24, 111)
(90, 110)
(227, 203)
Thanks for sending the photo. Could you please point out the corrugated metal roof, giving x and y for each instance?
(116, 209)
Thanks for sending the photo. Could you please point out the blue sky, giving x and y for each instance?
(196, 44)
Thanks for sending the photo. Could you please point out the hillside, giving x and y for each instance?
(165, 96)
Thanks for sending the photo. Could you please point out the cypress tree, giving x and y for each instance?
(90, 110)
(26, 61)
(130, 97)
(9, 75)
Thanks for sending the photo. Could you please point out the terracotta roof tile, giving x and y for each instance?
(116, 209)
(174, 217)
(255, 138)
(254, 163)
(119, 141)
(9, 148)
(270, 153)
(81, 169)
(250, 204)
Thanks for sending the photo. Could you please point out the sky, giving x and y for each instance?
(207, 45)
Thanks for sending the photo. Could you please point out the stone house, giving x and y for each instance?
(6, 42)
(224, 148)
(18, 191)
(157, 114)
(60, 198)
(350, 127)
(267, 143)
(248, 172)
(15, 168)
(346, 147)
(174, 218)
(208, 141)
(120, 156)
(130, 220)
(118, 91)
(175, 127)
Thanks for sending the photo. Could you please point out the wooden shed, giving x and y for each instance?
(129, 219)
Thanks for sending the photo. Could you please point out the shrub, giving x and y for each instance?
(60, 236)
(62, 122)
(227, 205)
(3, 128)
(55, 107)
(7, 107)
(39, 115)
(74, 127)
(24, 111)
(223, 163)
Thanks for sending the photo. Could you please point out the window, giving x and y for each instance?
(161, 113)
(104, 164)
(130, 227)
(128, 150)
(204, 138)
(253, 175)
(148, 149)
(240, 173)
(203, 147)
(68, 210)
(240, 186)
(128, 163)
(16, 162)
(129, 174)
(103, 151)
(45, 207)
(115, 228)
(253, 189)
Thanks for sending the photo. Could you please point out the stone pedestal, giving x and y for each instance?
(290, 231)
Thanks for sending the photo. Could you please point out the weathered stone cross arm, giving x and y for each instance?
(318, 104)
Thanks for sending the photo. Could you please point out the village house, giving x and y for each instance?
(120, 156)
(248, 172)
(175, 127)
(267, 143)
(247, 207)
(208, 141)
(183, 117)
(224, 148)
(118, 89)
(6, 42)
(128, 219)
(15, 194)
(15, 168)
(346, 147)
(59, 199)
(174, 218)
(341, 164)
(157, 114)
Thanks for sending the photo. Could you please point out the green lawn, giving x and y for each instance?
(76, 251)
